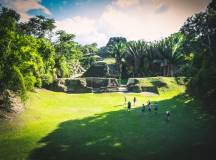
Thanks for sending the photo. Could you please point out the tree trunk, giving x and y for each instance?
(168, 70)
(164, 71)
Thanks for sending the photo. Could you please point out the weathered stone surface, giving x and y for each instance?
(77, 86)
(73, 85)
(101, 69)
(85, 85)
(132, 81)
(102, 84)
(133, 85)
(97, 70)
(134, 88)
(58, 85)
(11, 102)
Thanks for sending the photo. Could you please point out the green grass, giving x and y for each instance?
(60, 126)
(164, 84)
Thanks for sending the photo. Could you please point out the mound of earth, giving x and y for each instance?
(153, 84)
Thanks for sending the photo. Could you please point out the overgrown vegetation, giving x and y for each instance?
(29, 58)
(200, 31)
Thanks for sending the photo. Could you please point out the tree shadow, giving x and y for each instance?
(133, 135)
(159, 84)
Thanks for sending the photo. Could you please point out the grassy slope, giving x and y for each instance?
(165, 85)
(62, 126)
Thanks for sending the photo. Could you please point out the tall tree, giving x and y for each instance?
(47, 52)
(38, 26)
(70, 51)
(118, 51)
(20, 64)
(200, 31)
(136, 50)
(170, 55)
(104, 51)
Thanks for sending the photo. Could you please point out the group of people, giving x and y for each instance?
(148, 107)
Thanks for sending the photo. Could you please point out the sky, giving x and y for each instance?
(95, 21)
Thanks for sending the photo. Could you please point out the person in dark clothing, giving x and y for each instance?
(134, 100)
(149, 106)
(156, 107)
(143, 108)
(129, 105)
(168, 115)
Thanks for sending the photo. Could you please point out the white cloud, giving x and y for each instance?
(133, 19)
(134, 24)
(126, 3)
(23, 6)
(84, 28)
(79, 25)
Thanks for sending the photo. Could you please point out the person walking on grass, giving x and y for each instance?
(143, 108)
(129, 105)
(168, 115)
(156, 108)
(149, 106)
(134, 100)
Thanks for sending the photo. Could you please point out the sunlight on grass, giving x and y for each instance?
(99, 121)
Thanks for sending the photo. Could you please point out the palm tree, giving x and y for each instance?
(170, 55)
(118, 51)
(136, 54)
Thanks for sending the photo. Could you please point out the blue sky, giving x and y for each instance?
(68, 8)
(98, 20)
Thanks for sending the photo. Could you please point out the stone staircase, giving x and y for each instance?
(122, 88)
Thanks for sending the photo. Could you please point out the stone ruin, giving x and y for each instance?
(84, 85)
(100, 77)
(102, 69)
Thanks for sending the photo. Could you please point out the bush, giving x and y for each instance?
(30, 81)
(17, 83)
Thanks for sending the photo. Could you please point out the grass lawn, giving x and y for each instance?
(60, 126)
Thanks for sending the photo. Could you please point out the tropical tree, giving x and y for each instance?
(137, 56)
(38, 26)
(61, 66)
(66, 47)
(47, 52)
(170, 54)
(20, 63)
(118, 51)
(200, 31)
(90, 54)
(105, 51)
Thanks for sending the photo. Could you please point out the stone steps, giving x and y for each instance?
(123, 88)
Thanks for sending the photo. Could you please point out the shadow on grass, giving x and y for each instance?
(133, 135)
